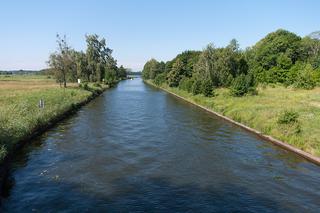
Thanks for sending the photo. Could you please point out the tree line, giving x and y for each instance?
(95, 64)
(280, 57)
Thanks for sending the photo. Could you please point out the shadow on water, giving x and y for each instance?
(149, 195)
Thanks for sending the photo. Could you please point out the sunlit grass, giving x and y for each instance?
(19, 111)
(262, 111)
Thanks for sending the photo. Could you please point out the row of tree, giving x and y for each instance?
(280, 57)
(96, 64)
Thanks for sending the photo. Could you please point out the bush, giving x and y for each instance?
(196, 87)
(97, 84)
(288, 117)
(292, 73)
(305, 78)
(207, 88)
(289, 123)
(243, 84)
(85, 86)
(160, 79)
(186, 84)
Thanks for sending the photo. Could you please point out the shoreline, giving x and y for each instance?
(268, 138)
(73, 108)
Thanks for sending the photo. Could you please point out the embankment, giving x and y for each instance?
(59, 104)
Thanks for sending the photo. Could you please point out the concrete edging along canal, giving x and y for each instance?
(4, 164)
(286, 146)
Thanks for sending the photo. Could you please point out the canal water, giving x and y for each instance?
(139, 149)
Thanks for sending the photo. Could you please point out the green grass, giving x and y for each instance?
(262, 112)
(20, 115)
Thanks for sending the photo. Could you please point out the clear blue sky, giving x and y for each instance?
(140, 29)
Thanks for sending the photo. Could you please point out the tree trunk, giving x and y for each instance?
(64, 81)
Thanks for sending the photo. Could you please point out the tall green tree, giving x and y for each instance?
(99, 57)
(62, 61)
(152, 68)
(122, 72)
(175, 75)
(278, 50)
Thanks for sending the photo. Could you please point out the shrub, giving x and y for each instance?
(96, 84)
(160, 79)
(85, 86)
(289, 123)
(196, 87)
(207, 88)
(186, 84)
(293, 72)
(288, 117)
(243, 84)
(305, 78)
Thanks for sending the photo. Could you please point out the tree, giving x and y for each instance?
(189, 58)
(175, 75)
(278, 50)
(310, 51)
(242, 85)
(305, 78)
(152, 68)
(122, 72)
(207, 88)
(221, 65)
(62, 61)
(99, 57)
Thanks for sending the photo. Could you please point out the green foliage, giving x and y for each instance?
(280, 57)
(186, 84)
(96, 84)
(111, 77)
(85, 86)
(289, 122)
(188, 59)
(160, 79)
(175, 75)
(207, 88)
(152, 68)
(122, 72)
(221, 65)
(196, 87)
(69, 65)
(310, 51)
(242, 85)
(283, 61)
(62, 61)
(305, 78)
(288, 117)
(277, 47)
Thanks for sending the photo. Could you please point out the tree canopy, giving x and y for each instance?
(93, 65)
(280, 57)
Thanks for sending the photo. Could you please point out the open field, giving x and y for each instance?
(20, 115)
(262, 112)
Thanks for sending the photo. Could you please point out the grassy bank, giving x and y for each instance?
(262, 112)
(20, 115)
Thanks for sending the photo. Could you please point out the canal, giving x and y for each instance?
(139, 149)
